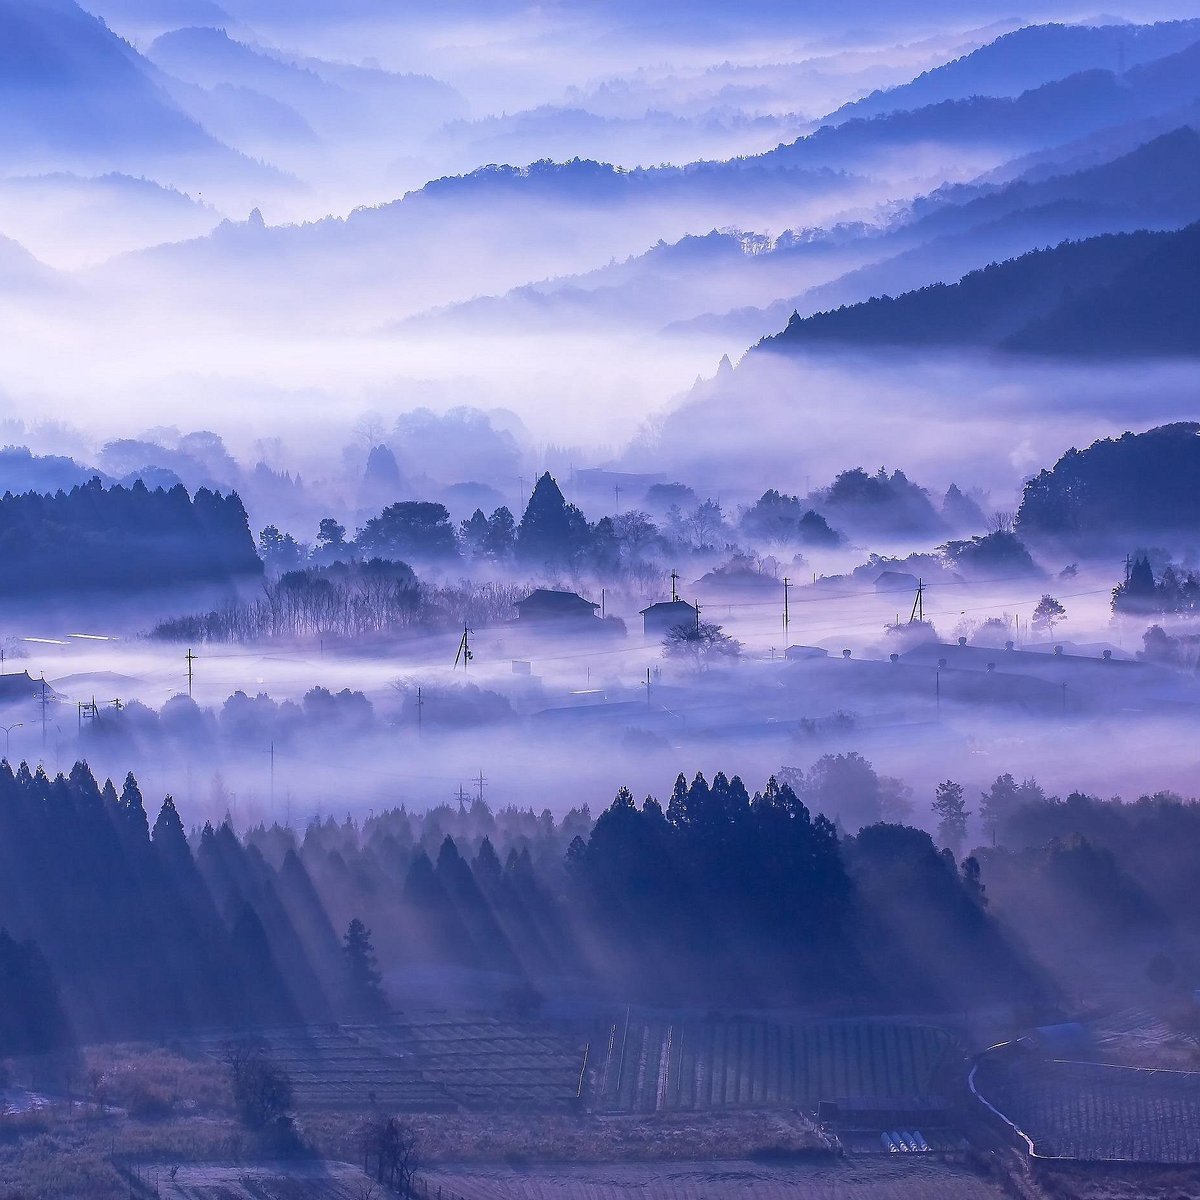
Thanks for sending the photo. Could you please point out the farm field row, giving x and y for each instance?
(648, 1066)
(1094, 1112)
(427, 1065)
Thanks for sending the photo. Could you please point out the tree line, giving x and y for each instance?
(123, 538)
(119, 925)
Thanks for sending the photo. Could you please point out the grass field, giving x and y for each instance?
(1096, 1113)
(664, 1065)
(745, 1180)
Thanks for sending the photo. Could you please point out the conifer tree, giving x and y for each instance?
(364, 982)
(949, 806)
(551, 531)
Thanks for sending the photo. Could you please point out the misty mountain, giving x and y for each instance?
(669, 282)
(960, 229)
(77, 96)
(558, 132)
(485, 232)
(325, 96)
(20, 271)
(1157, 183)
(953, 231)
(1054, 112)
(1156, 186)
(1124, 294)
(68, 220)
(1028, 58)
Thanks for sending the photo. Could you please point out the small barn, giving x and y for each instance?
(896, 581)
(659, 619)
(547, 605)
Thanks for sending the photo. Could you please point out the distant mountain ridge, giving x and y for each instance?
(1122, 295)
(1027, 58)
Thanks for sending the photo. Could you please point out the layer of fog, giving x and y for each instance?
(541, 745)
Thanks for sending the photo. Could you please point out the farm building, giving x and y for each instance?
(659, 619)
(16, 686)
(896, 581)
(803, 653)
(546, 604)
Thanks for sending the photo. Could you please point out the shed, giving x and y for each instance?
(659, 619)
(896, 581)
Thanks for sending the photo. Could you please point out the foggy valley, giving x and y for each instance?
(599, 600)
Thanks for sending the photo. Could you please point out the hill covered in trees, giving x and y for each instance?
(1135, 485)
(1115, 295)
(126, 539)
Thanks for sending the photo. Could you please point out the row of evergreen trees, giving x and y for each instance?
(123, 538)
(720, 897)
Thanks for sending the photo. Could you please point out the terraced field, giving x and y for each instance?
(1096, 1113)
(429, 1064)
(648, 1066)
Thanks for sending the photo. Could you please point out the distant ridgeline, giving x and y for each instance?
(98, 538)
(1117, 295)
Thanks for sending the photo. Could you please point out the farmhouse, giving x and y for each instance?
(17, 686)
(547, 605)
(659, 619)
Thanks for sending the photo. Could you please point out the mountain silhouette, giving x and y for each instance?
(1027, 58)
(1122, 294)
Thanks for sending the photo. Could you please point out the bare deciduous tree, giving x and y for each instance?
(391, 1146)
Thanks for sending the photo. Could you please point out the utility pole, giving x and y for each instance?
(464, 649)
(480, 781)
(918, 608)
(787, 583)
(420, 705)
(674, 587)
(191, 658)
(647, 687)
(602, 602)
(617, 495)
(45, 702)
(462, 796)
(697, 604)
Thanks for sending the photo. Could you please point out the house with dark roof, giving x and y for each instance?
(548, 605)
(659, 619)
(18, 686)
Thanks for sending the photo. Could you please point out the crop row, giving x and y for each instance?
(1097, 1113)
(418, 1066)
(649, 1065)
